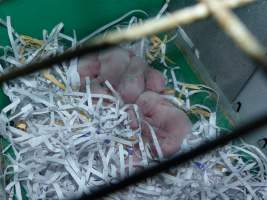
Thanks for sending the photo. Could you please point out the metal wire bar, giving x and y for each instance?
(237, 31)
(179, 159)
(168, 22)
(184, 16)
(150, 27)
(50, 62)
(246, 41)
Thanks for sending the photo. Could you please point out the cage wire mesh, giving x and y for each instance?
(231, 172)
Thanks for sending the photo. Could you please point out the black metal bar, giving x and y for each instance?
(49, 62)
(165, 165)
(179, 159)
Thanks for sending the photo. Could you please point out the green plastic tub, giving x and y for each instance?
(30, 17)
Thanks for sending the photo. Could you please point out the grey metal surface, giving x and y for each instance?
(253, 99)
(236, 76)
(227, 65)
(204, 75)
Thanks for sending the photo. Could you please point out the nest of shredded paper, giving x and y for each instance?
(65, 142)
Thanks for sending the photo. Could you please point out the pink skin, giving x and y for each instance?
(133, 119)
(118, 60)
(132, 83)
(148, 101)
(130, 88)
(96, 88)
(88, 66)
(126, 73)
(170, 124)
(113, 65)
(155, 81)
(131, 53)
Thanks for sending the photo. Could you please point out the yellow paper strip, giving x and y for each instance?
(52, 78)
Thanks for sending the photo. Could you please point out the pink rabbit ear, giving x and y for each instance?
(131, 87)
(133, 83)
(113, 65)
(88, 66)
(96, 88)
(148, 101)
(155, 81)
(136, 66)
(170, 124)
(173, 125)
